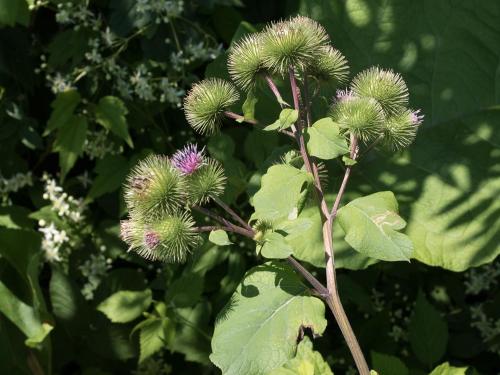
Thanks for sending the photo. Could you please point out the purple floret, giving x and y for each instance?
(151, 239)
(344, 95)
(188, 160)
(416, 117)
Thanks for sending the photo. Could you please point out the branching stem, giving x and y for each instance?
(233, 214)
(333, 299)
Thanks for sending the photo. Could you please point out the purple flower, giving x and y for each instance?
(188, 160)
(151, 239)
(416, 117)
(344, 95)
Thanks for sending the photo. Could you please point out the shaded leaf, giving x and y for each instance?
(111, 172)
(69, 142)
(25, 317)
(386, 364)
(428, 332)
(13, 12)
(126, 305)
(152, 336)
(63, 108)
(110, 113)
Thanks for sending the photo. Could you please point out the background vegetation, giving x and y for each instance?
(89, 87)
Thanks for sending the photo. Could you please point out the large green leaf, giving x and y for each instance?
(282, 189)
(192, 336)
(446, 369)
(257, 330)
(428, 332)
(126, 305)
(306, 362)
(111, 172)
(308, 245)
(371, 225)
(152, 336)
(447, 182)
(69, 142)
(110, 113)
(324, 140)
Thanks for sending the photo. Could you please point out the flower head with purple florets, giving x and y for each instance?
(344, 95)
(416, 117)
(151, 239)
(188, 160)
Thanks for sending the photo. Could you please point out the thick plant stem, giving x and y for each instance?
(332, 299)
(335, 305)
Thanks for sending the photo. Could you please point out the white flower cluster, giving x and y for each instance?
(14, 183)
(59, 83)
(69, 13)
(482, 278)
(94, 269)
(488, 328)
(97, 145)
(160, 10)
(102, 55)
(64, 204)
(53, 240)
(68, 208)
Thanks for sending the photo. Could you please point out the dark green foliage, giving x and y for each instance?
(88, 92)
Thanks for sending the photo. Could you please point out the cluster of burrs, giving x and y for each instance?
(160, 193)
(374, 108)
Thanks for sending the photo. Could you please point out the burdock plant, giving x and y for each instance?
(257, 332)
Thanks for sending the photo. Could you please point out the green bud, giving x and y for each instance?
(170, 239)
(154, 188)
(292, 43)
(400, 129)
(206, 103)
(363, 117)
(385, 86)
(330, 65)
(206, 182)
(245, 61)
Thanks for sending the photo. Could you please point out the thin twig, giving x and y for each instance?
(318, 287)
(234, 228)
(239, 118)
(276, 92)
(233, 214)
